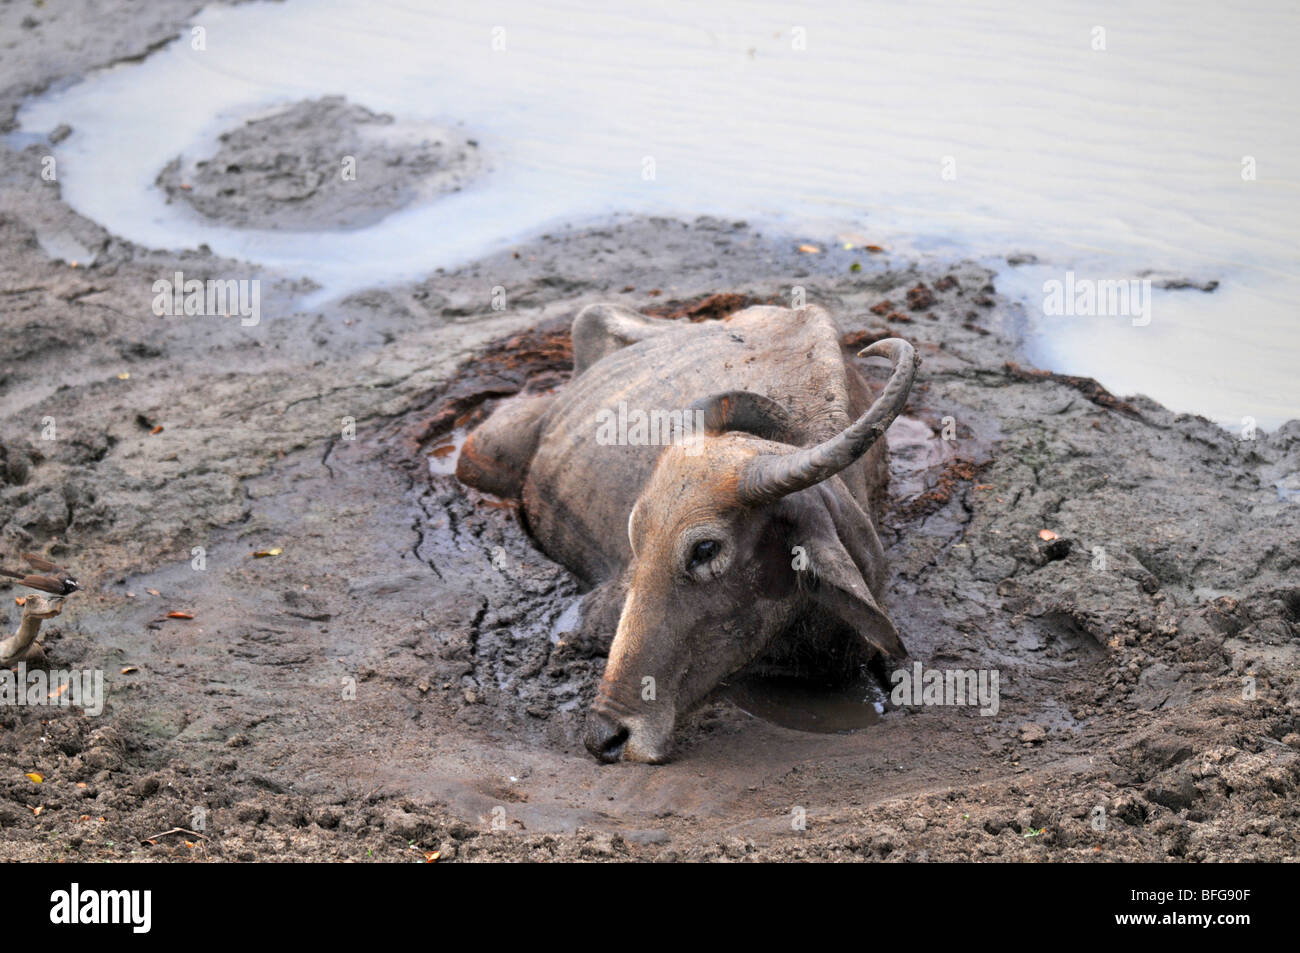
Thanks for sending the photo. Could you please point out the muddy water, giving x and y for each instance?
(1153, 139)
(444, 454)
(808, 705)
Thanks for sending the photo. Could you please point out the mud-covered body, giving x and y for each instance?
(617, 510)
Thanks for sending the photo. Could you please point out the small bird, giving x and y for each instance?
(47, 578)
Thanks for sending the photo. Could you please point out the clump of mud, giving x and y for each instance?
(322, 164)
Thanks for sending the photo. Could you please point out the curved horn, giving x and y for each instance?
(770, 476)
(746, 411)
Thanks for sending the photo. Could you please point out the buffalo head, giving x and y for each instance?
(738, 532)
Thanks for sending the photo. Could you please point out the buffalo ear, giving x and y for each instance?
(819, 519)
(746, 411)
(841, 589)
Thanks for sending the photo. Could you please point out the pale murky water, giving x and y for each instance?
(936, 129)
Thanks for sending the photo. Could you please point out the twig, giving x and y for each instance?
(176, 830)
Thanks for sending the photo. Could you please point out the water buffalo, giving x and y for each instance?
(754, 524)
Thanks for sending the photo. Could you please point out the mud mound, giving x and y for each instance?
(321, 164)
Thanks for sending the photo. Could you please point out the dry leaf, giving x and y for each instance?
(37, 810)
(444, 450)
(129, 669)
(158, 429)
(21, 600)
(124, 376)
(35, 777)
(810, 249)
(263, 553)
(179, 615)
(432, 856)
(875, 249)
(1046, 534)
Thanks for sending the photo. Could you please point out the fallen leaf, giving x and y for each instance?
(124, 376)
(129, 669)
(82, 784)
(432, 856)
(444, 450)
(21, 600)
(59, 691)
(38, 810)
(158, 429)
(875, 249)
(1046, 534)
(35, 777)
(263, 553)
(179, 615)
(810, 249)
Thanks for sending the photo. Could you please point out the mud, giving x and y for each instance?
(397, 684)
(321, 164)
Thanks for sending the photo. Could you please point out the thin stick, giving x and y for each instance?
(177, 830)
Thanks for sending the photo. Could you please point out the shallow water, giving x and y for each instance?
(936, 129)
(809, 706)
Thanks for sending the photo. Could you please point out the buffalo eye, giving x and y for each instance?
(705, 551)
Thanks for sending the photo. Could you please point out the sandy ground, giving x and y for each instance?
(387, 686)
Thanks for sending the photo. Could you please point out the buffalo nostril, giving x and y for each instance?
(605, 739)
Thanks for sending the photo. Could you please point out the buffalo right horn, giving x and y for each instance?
(770, 476)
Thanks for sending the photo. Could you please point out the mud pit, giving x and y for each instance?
(1120, 688)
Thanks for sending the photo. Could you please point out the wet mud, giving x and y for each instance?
(321, 164)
